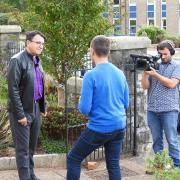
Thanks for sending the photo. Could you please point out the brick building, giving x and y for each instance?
(130, 15)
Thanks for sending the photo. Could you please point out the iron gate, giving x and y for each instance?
(11, 48)
(74, 131)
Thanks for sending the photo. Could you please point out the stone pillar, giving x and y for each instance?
(9, 44)
(121, 48)
(61, 96)
(73, 91)
(74, 85)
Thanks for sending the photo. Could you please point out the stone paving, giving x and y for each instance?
(131, 169)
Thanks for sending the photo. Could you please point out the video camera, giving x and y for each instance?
(145, 62)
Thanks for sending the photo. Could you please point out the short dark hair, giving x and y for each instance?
(31, 34)
(101, 45)
(166, 44)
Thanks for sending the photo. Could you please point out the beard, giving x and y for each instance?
(166, 60)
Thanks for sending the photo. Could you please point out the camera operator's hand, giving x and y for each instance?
(152, 72)
(145, 78)
(168, 82)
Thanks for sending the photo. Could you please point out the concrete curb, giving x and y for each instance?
(40, 161)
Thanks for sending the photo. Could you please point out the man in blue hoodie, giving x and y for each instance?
(104, 99)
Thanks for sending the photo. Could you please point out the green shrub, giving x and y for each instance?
(12, 20)
(160, 161)
(5, 134)
(8, 19)
(152, 32)
(172, 174)
(53, 146)
(54, 125)
(3, 19)
(3, 90)
(162, 167)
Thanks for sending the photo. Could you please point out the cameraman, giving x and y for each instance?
(163, 101)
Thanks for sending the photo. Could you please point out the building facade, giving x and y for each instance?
(130, 15)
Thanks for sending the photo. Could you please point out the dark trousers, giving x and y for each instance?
(25, 141)
(87, 143)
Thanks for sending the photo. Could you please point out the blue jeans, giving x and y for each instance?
(167, 122)
(87, 143)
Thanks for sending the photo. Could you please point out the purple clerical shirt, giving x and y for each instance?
(38, 81)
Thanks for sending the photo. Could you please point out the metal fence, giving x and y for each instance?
(9, 50)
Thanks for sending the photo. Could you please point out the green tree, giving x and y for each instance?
(69, 25)
(7, 13)
(19, 4)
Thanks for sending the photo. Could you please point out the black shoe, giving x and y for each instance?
(33, 177)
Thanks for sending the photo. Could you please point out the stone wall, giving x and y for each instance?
(121, 48)
(9, 44)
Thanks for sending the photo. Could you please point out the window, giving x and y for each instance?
(132, 18)
(151, 22)
(132, 27)
(132, 10)
(116, 12)
(132, 1)
(116, 21)
(116, 1)
(116, 18)
(117, 29)
(163, 14)
(164, 23)
(151, 11)
(163, 10)
(105, 14)
(150, 1)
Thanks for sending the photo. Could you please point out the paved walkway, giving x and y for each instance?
(132, 169)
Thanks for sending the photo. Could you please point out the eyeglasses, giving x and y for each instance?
(38, 42)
